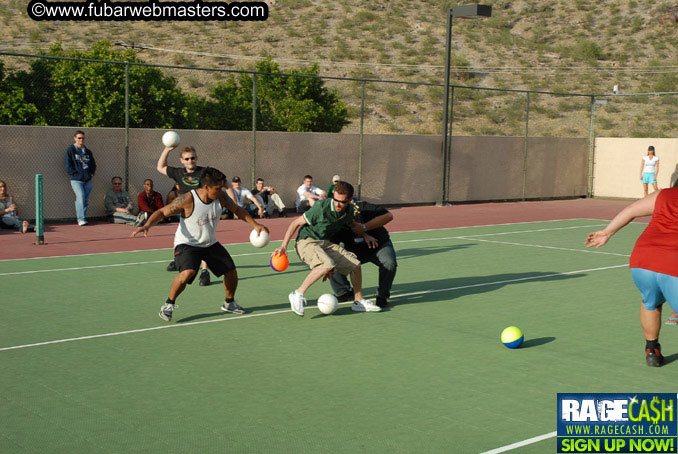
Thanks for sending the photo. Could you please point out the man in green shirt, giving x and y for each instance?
(316, 227)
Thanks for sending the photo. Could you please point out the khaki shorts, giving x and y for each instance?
(324, 254)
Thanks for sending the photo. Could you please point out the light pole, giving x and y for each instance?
(462, 11)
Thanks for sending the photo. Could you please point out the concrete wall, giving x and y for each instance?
(617, 165)
(397, 169)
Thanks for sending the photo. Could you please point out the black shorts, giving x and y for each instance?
(217, 257)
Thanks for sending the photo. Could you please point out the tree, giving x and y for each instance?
(90, 94)
(15, 108)
(284, 103)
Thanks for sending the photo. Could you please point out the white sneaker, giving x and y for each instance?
(365, 306)
(297, 302)
(81, 223)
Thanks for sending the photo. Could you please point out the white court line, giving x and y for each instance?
(142, 330)
(466, 237)
(520, 444)
(111, 265)
(546, 247)
(247, 242)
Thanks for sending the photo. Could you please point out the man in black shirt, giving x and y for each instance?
(188, 178)
(369, 218)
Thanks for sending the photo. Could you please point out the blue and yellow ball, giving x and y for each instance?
(512, 337)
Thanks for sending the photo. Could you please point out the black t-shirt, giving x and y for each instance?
(264, 195)
(364, 212)
(187, 181)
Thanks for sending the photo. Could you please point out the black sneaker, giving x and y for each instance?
(283, 213)
(653, 356)
(204, 278)
(346, 297)
(172, 266)
(166, 312)
(382, 302)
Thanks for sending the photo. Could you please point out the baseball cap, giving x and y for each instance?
(336, 178)
(235, 180)
(650, 147)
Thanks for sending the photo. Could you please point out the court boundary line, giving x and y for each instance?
(520, 444)
(247, 242)
(465, 238)
(242, 317)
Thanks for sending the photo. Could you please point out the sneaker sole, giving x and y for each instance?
(237, 311)
(164, 317)
(362, 309)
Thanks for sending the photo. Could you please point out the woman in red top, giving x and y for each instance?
(653, 263)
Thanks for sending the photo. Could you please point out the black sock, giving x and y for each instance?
(169, 301)
(652, 344)
(229, 300)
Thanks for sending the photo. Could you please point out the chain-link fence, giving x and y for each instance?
(505, 144)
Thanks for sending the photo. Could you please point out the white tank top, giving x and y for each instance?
(200, 228)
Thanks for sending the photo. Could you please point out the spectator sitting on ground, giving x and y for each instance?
(149, 201)
(245, 199)
(10, 218)
(268, 198)
(330, 191)
(308, 195)
(118, 204)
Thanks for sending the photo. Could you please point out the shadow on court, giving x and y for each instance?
(671, 358)
(425, 292)
(537, 342)
(413, 253)
(447, 289)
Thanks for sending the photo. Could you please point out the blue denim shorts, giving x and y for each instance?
(656, 288)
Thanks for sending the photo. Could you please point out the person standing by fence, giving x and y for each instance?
(649, 169)
(80, 166)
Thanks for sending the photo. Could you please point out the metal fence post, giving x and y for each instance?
(589, 189)
(254, 127)
(527, 130)
(448, 170)
(127, 126)
(360, 151)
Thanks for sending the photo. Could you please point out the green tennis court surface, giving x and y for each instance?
(88, 366)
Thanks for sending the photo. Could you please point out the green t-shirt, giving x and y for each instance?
(323, 221)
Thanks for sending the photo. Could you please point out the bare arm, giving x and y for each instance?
(656, 170)
(291, 230)
(642, 166)
(227, 202)
(162, 160)
(642, 207)
(179, 205)
(311, 195)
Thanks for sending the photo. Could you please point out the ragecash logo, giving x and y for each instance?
(611, 423)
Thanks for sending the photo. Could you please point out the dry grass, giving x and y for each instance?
(548, 39)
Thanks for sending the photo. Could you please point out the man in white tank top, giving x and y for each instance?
(195, 239)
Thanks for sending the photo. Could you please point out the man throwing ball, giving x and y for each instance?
(195, 239)
(316, 227)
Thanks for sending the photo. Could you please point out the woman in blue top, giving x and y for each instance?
(80, 165)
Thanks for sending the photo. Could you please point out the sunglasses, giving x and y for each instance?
(79, 138)
(343, 202)
(192, 158)
(118, 183)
